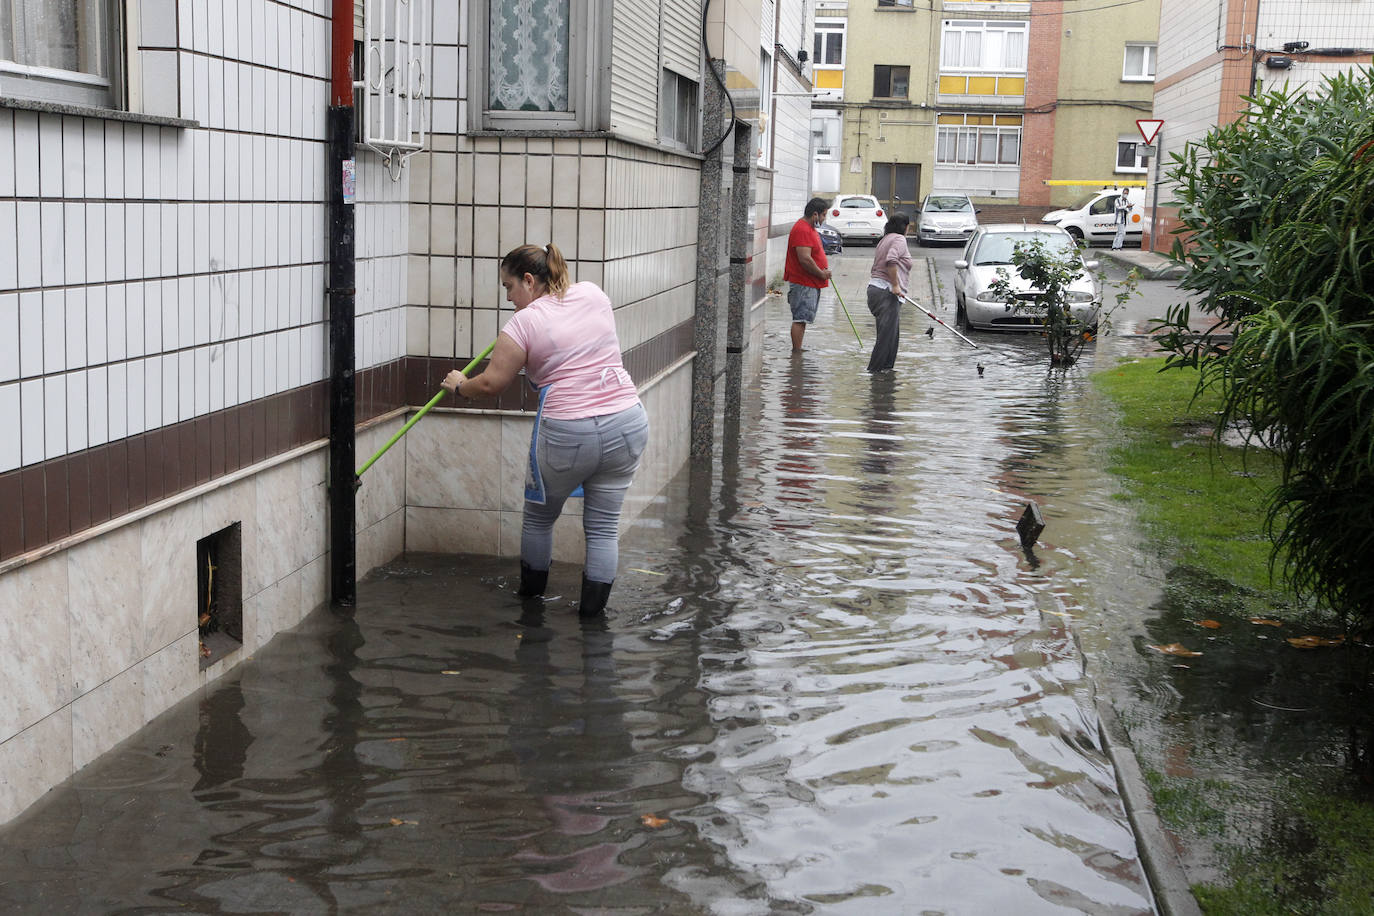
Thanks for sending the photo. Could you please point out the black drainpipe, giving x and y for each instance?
(343, 562)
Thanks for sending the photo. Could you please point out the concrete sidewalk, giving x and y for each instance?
(1151, 264)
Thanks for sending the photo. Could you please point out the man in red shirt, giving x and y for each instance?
(805, 269)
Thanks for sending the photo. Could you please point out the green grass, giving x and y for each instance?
(1203, 503)
(1312, 851)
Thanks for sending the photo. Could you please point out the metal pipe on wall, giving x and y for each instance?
(343, 578)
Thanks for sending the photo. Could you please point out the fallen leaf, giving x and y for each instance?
(1314, 642)
(395, 739)
(650, 820)
(1175, 648)
(1266, 622)
(397, 822)
(1209, 624)
(451, 671)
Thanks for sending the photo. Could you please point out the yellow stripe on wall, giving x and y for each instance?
(828, 79)
(982, 85)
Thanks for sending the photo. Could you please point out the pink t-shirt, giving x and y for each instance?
(892, 249)
(570, 343)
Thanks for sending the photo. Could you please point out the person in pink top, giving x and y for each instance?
(887, 281)
(591, 428)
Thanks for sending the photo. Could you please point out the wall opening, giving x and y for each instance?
(219, 593)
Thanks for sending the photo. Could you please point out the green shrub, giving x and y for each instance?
(1280, 211)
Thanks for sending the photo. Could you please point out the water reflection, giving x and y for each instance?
(831, 684)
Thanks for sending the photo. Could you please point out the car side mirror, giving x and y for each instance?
(961, 264)
(977, 210)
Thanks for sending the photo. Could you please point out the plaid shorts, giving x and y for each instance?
(803, 300)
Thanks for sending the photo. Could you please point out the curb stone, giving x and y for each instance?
(1168, 881)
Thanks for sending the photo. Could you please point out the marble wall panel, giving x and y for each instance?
(383, 489)
(35, 644)
(381, 542)
(277, 547)
(452, 462)
(107, 715)
(106, 588)
(168, 545)
(34, 761)
(432, 530)
(169, 676)
(515, 459)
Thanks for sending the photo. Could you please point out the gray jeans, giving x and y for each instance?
(600, 453)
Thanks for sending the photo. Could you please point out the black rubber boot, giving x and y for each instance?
(594, 597)
(532, 581)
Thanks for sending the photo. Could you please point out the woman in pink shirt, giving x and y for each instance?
(886, 286)
(591, 427)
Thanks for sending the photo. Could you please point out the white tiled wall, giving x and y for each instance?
(151, 273)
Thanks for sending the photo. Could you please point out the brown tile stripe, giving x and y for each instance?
(45, 502)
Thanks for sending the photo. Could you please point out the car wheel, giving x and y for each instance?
(1077, 235)
(961, 316)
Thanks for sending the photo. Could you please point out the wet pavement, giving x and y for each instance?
(830, 681)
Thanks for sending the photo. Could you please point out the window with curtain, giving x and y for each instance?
(1140, 63)
(972, 45)
(528, 66)
(959, 143)
(59, 50)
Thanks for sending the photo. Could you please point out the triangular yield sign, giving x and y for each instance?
(1149, 128)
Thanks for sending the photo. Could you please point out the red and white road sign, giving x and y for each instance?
(1149, 128)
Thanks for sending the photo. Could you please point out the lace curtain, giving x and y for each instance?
(529, 55)
(62, 34)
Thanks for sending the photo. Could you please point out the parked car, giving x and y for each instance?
(831, 240)
(990, 249)
(857, 216)
(945, 216)
(1092, 218)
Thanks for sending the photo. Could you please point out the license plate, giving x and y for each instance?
(857, 224)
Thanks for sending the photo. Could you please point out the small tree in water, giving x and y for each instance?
(1052, 272)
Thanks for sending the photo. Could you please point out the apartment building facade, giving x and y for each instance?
(1212, 53)
(165, 357)
(1010, 102)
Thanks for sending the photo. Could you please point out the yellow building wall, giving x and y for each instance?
(888, 131)
(1090, 68)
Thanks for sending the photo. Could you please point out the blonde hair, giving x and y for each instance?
(544, 264)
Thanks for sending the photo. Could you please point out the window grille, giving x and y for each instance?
(394, 84)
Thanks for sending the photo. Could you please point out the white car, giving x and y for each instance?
(946, 216)
(1092, 218)
(857, 216)
(990, 250)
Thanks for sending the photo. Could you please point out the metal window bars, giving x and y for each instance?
(394, 77)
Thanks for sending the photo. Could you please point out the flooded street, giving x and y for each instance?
(830, 681)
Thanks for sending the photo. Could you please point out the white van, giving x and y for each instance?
(1092, 218)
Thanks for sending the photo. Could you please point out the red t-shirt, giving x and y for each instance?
(804, 235)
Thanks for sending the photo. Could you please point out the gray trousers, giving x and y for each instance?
(600, 453)
(887, 309)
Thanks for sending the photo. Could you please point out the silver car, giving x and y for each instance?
(990, 250)
(946, 216)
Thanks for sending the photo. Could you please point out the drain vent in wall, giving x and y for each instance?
(219, 593)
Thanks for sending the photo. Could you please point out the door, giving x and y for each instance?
(895, 184)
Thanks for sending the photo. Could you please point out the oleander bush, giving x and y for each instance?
(1278, 216)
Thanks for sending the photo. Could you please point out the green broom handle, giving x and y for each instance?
(423, 410)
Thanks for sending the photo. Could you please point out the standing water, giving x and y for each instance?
(831, 681)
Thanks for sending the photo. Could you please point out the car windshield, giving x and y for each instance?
(1083, 201)
(997, 248)
(948, 204)
(857, 203)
